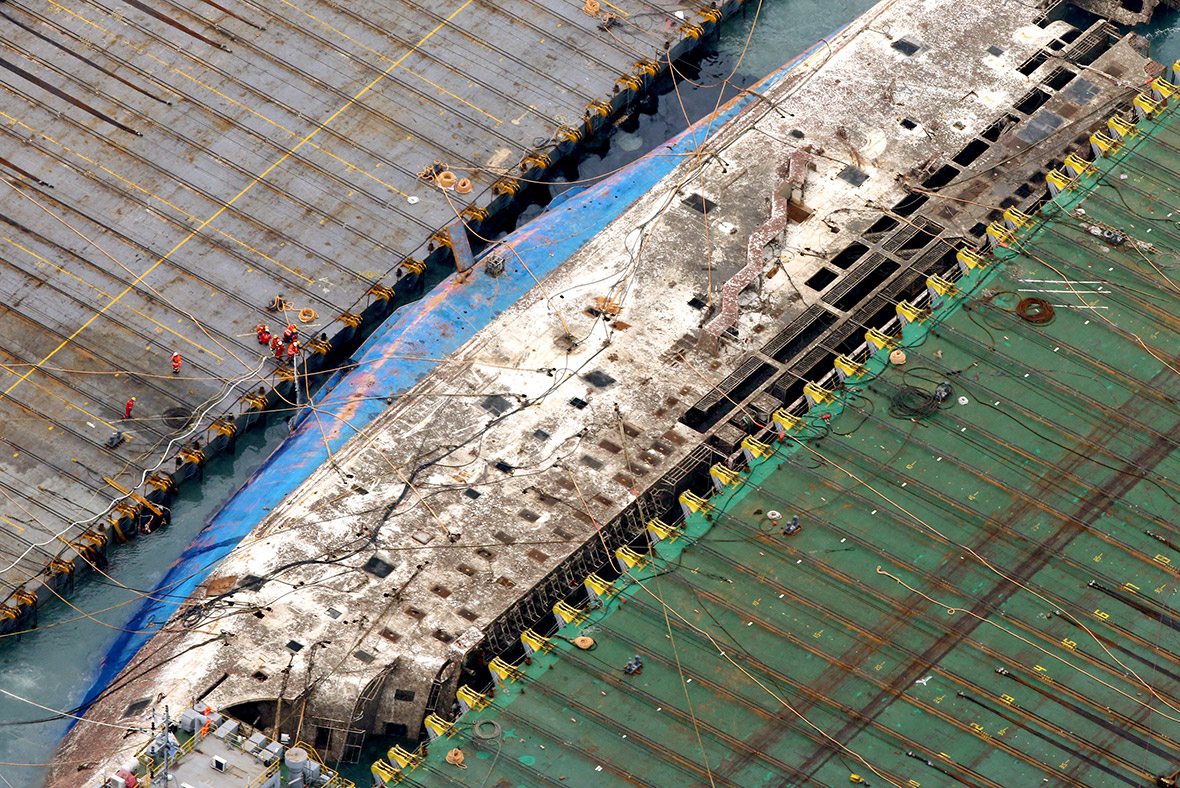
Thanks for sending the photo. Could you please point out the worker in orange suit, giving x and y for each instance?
(176, 362)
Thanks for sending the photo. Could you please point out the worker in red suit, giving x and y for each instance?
(263, 334)
(277, 346)
(127, 410)
(176, 361)
(291, 334)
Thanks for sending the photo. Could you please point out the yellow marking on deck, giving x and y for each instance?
(341, 33)
(13, 372)
(102, 292)
(11, 522)
(237, 196)
(153, 195)
(259, 115)
(265, 256)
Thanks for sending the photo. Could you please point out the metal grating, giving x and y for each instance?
(729, 383)
(794, 330)
(903, 235)
(854, 277)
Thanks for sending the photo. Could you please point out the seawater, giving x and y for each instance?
(55, 665)
(1164, 35)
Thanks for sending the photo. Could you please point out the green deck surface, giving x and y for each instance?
(1004, 534)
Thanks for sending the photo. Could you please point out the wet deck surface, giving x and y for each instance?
(169, 169)
(976, 597)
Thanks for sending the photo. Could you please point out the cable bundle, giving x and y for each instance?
(911, 402)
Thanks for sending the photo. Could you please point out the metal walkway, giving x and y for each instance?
(169, 170)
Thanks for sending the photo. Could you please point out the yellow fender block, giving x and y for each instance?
(661, 530)
(567, 612)
(815, 395)
(380, 292)
(908, 313)
(999, 235)
(24, 597)
(846, 367)
(506, 186)
(723, 477)
(690, 502)
(533, 642)
(1119, 127)
(1103, 145)
(1162, 89)
(439, 727)
(383, 771)
(630, 82)
(878, 341)
(598, 107)
(503, 671)
(629, 559)
(1016, 218)
(225, 426)
(1075, 165)
(403, 757)
(597, 586)
(651, 67)
(413, 266)
(473, 700)
(940, 288)
(569, 134)
(969, 260)
(755, 449)
(349, 319)
(1058, 182)
(62, 567)
(783, 422)
(474, 213)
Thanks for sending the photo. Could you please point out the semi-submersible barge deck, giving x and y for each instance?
(169, 170)
(856, 306)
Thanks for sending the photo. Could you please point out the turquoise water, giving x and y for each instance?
(784, 29)
(54, 665)
(1164, 35)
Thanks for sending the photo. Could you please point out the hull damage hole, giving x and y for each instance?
(178, 418)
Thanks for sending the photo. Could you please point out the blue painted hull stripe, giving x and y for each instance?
(398, 355)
